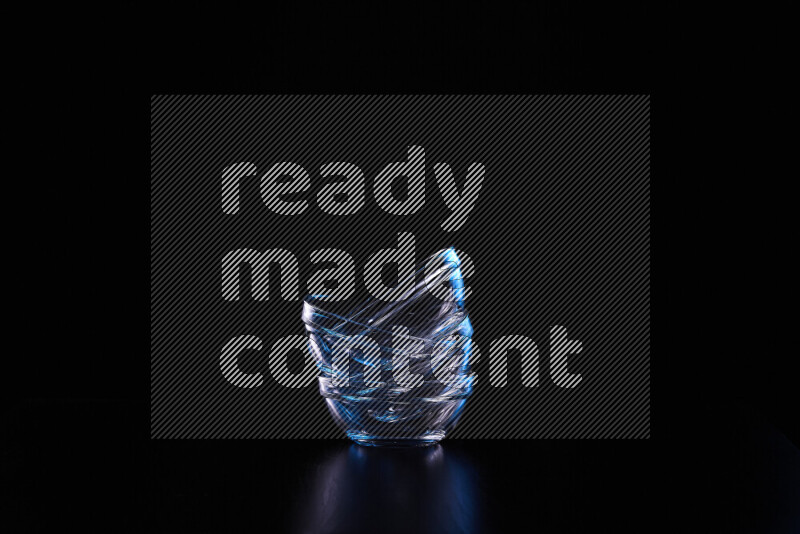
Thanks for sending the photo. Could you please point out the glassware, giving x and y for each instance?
(396, 373)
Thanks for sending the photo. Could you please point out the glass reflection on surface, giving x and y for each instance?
(359, 489)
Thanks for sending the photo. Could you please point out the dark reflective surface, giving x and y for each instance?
(81, 463)
(361, 489)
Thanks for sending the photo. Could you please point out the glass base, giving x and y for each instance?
(425, 440)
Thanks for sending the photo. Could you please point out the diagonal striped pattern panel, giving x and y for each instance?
(558, 240)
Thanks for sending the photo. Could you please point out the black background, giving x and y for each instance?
(75, 448)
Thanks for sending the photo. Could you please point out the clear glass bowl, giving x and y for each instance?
(396, 373)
